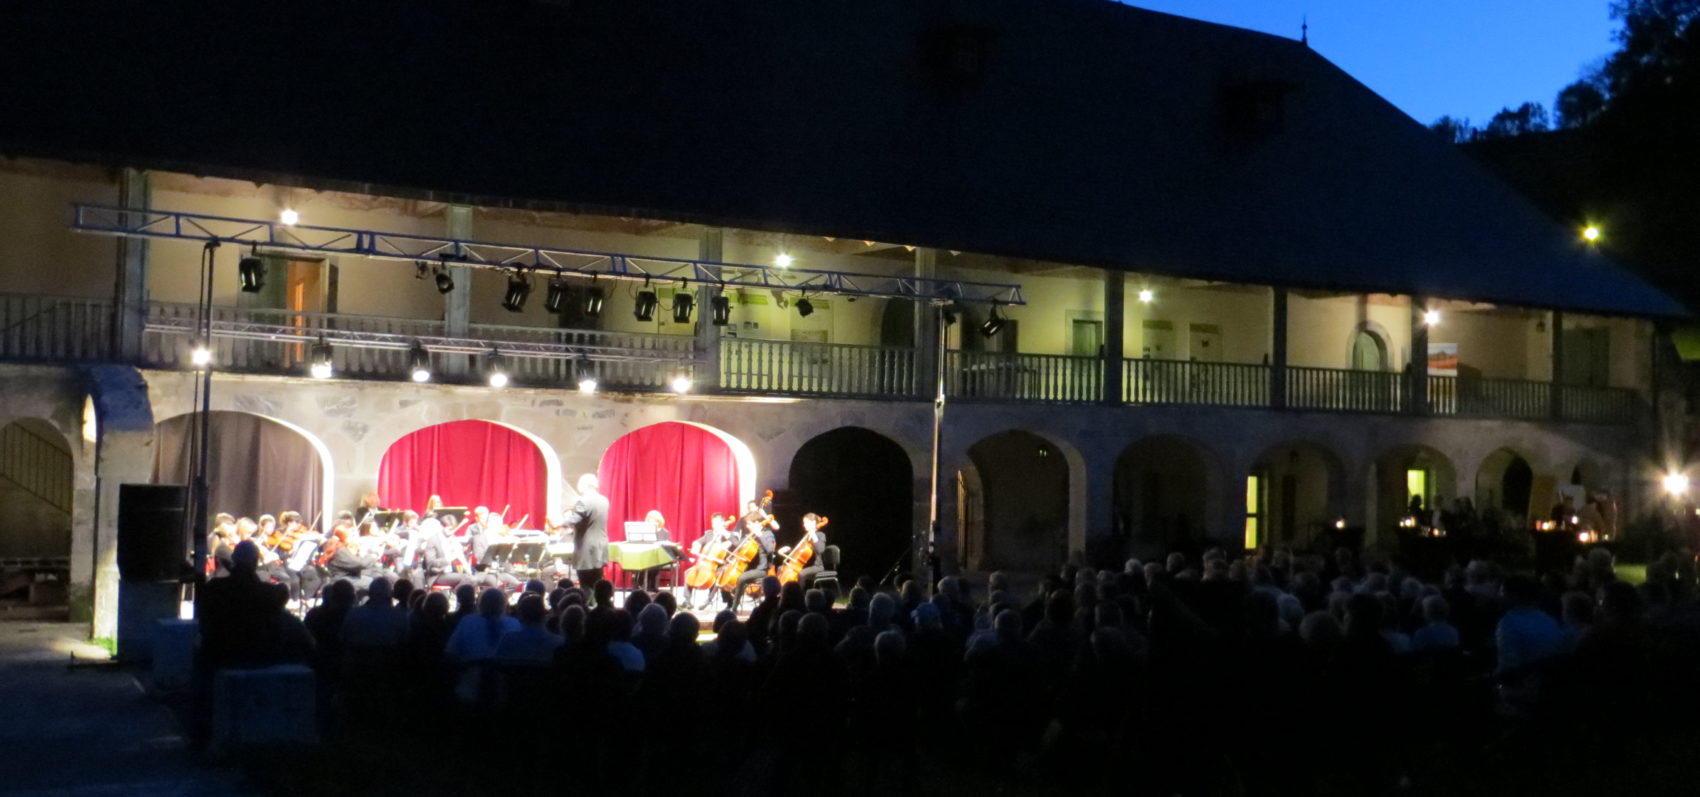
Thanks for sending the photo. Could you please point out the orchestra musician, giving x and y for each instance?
(812, 532)
(300, 542)
(441, 556)
(651, 577)
(589, 519)
(760, 524)
(712, 548)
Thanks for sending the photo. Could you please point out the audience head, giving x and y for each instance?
(667, 602)
(466, 596)
(881, 611)
(536, 586)
(812, 629)
(889, 648)
(436, 605)
(572, 622)
(951, 588)
(1436, 609)
(911, 592)
(246, 557)
(636, 602)
(378, 593)
(1578, 609)
(530, 610)
(770, 587)
(341, 594)
(683, 629)
(652, 620)
(603, 592)
(1319, 628)
(492, 604)
(816, 602)
(1007, 624)
(722, 617)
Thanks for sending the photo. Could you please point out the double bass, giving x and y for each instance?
(799, 556)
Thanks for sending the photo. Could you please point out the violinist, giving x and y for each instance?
(441, 556)
(299, 541)
(813, 533)
(221, 542)
(755, 523)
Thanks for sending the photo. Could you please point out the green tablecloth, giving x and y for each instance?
(638, 555)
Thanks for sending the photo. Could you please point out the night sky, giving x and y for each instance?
(1431, 58)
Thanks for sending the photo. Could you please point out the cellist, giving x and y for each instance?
(755, 523)
(817, 539)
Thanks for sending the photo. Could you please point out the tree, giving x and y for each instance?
(1650, 41)
(1454, 130)
(1579, 103)
(1530, 117)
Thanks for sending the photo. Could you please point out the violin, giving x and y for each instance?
(799, 556)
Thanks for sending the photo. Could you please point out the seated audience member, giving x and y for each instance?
(1436, 634)
(531, 643)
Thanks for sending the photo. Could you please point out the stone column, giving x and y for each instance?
(710, 249)
(124, 454)
(1556, 396)
(457, 304)
(1416, 384)
(926, 329)
(1278, 348)
(130, 289)
(1115, 321)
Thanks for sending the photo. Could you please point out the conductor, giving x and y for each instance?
(589, 520)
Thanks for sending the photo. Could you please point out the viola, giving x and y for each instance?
(799, 556)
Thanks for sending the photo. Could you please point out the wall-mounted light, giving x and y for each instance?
(1676, 483)
(494, 373)
(1431, 318)
(200, 356)
(1591, 234)
(586, 375)
(1146, 295)
(783, 260)
(681, 384)
(445, 283)
(251, 272)
(289, 217)
(805, 307)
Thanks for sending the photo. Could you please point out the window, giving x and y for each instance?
(1416, 486)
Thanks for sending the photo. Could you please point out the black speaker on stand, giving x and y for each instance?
(152, 548)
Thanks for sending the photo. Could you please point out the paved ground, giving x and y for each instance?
(85, 727)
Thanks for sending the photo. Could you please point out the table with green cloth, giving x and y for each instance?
(633, 557)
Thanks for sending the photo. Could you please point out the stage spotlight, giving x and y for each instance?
(644, 310)
(594, 298)
(251, 273)
(556, 298)
(321, 367)
(494, 373)
(805, 307)
(683, 302)
(519, 289)
(585, 373)
(445, 283)
(720, 308)
(992, 324)
(289, 217)
(419, 362)
(201, 356)
(420, 270)
(948, 312)
(681, 384)
(783, 260)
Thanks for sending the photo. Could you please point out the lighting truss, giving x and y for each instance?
(391, 341)
(304, 238)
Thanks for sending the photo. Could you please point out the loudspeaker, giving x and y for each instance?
(151, 541)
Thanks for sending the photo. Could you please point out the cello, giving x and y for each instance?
(799, 556)
(701, 574)
(747, 551)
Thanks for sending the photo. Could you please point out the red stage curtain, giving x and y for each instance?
(684, 471)
(468, 463)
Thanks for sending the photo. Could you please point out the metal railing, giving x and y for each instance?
(616, 359)
(1599, 404)
(1343, 390)
(1147, 381)
(821, 369)
(1023, 377)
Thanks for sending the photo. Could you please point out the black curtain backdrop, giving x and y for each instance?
(255, 466)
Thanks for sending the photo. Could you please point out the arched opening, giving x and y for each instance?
(1410, 473)
(255, 465)
(1369, 351)
(686, 471)
(863, 483)
(1293, 495)
(1505, 483)
(36, 482)
(472, 463)
(1160, 494)
(1024, 497)
(897, 323)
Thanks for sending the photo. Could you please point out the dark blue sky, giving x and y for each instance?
(1432, 57)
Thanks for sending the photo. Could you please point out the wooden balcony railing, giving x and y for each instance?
(818, 369)
(1147, 381)
(71, 330)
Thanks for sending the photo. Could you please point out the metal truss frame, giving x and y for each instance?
(280, 333)
(276, 236)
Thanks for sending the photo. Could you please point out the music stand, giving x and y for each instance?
(640, 531)
(449, 516)
(387, 517)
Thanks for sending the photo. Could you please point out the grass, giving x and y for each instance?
(109, 644)
(1633, 574)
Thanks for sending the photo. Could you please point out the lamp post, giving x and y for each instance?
(942, 322)
(198, 489)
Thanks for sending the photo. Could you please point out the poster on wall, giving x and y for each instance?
(1443, 359)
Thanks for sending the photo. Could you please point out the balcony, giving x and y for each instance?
(62, 330)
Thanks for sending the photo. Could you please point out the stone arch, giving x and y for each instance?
(284, 466)
(1294, 492)
(863, 482)
(1505, 482)
(1028, 485)
(543, 499)
(1370, 333)
(1403, 470)
(1162, 493)
(37, 489)
(678, 468)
